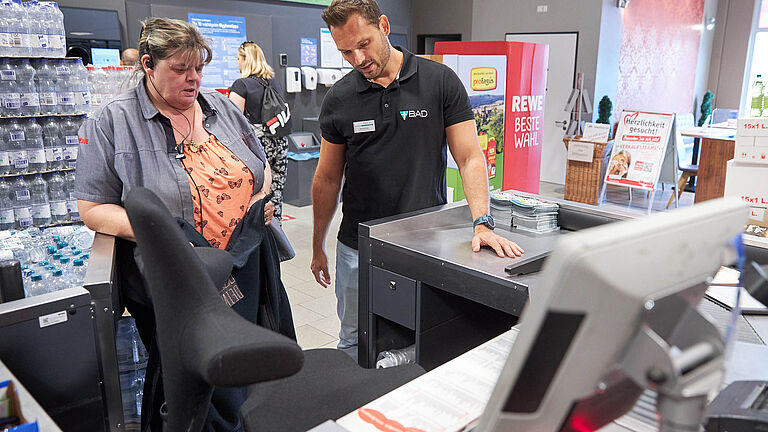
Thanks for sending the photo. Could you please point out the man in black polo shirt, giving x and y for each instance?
(384, 127)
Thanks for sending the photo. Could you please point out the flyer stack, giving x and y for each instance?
(524, 213)
(501, 208)
(531, 214)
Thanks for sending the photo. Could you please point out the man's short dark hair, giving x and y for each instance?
(337, 14)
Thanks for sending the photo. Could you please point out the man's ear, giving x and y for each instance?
(384, 25)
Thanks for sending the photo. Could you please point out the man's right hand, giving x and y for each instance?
(319, 267)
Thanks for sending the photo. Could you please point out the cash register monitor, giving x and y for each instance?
(597, 289)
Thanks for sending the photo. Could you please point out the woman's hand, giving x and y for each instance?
(269, 211)
(269, 208)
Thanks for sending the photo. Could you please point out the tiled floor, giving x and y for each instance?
(314, 307)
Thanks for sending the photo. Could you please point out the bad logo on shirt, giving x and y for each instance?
(414, 114)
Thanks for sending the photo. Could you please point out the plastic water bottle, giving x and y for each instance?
(58, 281)
(5, 161)
(80, 87)
(40, 45)
(78, 272)
(6, 206)
(57, 198)
(5, 32)
(82, 239)
(56, 34)
(396, 357)
(53, 143)
(19, 30)
(17, 147)
(69, 128)
(69, 188)
(35, 286)
(756, 107)
(45, 80)
(38, 39)
(34, 143)
(22, 203)
(25, 78)
(65, 97)
(10, 99)
(41, 208)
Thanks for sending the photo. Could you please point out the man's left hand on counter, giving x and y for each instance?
(503, 247)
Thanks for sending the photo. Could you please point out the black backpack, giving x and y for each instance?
(275, 112)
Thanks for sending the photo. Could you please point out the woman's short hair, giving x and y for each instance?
(255, 62)
(163, 38)
(337, 14)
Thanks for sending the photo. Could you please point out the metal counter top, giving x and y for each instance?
(438, 242)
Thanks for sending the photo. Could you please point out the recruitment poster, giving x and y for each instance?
(639, 149)
(225, 33)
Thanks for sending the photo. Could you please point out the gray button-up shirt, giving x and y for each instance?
(128, 143)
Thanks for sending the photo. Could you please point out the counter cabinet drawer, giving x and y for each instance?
(393, 297)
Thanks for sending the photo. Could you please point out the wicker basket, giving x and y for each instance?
(583, 180)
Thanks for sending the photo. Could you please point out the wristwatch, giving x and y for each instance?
(486, 220)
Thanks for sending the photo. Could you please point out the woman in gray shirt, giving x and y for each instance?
(197, 152)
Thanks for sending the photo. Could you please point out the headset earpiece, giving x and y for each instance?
(150, 63)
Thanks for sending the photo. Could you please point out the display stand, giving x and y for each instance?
(578, 103)
(640, 149)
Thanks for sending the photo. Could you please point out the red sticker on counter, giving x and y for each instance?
(382, 423)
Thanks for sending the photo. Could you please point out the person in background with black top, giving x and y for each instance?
(247, 92)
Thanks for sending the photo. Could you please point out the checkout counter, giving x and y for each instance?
(69, 361)
(420, 283)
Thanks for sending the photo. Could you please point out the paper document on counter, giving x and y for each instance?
(446, 399)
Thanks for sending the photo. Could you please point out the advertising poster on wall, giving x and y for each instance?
(484, 78)
(330, 57)
(226, 33)
(639, 149)
(308, 51)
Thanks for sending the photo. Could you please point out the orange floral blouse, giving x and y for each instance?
(222, 184)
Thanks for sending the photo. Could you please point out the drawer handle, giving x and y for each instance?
(392, 285)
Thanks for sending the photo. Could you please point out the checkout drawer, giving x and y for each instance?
(393, 297)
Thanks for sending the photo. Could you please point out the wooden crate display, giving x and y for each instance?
(583, 180)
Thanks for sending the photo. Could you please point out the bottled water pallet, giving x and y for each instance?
(42, 58)
(37, 172)
(80, 114)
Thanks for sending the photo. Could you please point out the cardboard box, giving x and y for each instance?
(752, 127)
(8, 390)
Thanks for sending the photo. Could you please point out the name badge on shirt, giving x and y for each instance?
(364, 126)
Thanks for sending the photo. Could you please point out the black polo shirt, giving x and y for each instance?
(394, 138)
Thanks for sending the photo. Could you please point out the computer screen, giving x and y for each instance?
(599, 290)
(105, 56)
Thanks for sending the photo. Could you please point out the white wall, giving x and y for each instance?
(730, 45)
(491, 19)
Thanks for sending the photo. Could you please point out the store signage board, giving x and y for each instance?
(639, 149)
(581, 151)
(330, 56)
(308, 51)
(225, 33)
(484, 78)
(596, 132)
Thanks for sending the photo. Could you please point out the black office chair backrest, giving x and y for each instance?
(202, 342)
